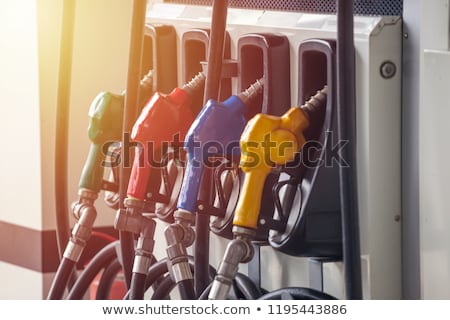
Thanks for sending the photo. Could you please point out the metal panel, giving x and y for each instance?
(434, 176)
(361, 7)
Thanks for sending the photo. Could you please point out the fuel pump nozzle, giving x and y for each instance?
(214, 132)
(105, 127)
(266, 142)
(162, 118)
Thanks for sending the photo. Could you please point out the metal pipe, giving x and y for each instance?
(346, 101)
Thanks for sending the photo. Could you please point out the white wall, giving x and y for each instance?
(100, 59)
(19, 111)
(30, 33)
(20, 181)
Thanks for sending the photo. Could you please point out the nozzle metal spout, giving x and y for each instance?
(254, 90)
(195, 83)
(316, 102)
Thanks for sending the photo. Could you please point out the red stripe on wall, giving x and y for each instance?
(37, 250)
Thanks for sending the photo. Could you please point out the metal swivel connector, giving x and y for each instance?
(81, 231)
(239, 250)
(130, 219)
(179, 236)
(144, 246)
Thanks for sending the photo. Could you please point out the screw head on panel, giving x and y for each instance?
(388, 69)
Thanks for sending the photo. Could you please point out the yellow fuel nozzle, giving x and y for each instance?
(268, 141)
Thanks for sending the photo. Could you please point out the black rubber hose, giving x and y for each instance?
(62, 130)
(101, 260)
(107, 279)
(204, 295)
(247, 287)
(155, 272)
(163, 290)
(243, 284)
(346, 101)
(65, 269)
(130, 115)
(127, 248)
(297, 293)
(138, 286)
(186, 289)
(139, 281)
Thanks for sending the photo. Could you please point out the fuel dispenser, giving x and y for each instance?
(257, 174)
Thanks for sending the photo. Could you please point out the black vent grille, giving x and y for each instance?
(361, 7)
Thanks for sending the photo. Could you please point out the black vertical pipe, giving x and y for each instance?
(130, 115)
(216, 49)
(202, 234)
(62, 130)
(347, 130)
(212, 90)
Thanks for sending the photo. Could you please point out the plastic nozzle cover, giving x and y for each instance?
(215, 131)
(163, 119)
(105, 127)
(267, 141)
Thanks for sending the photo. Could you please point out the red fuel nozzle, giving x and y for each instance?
(163, 119)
